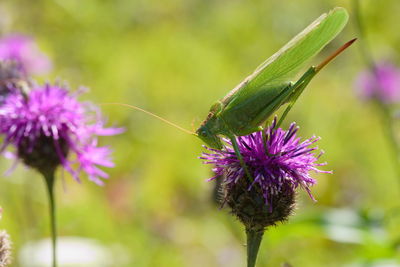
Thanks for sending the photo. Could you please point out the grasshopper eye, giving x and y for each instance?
(202, 132)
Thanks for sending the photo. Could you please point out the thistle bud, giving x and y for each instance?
(250, 208)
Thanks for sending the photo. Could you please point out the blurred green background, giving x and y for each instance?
(175, 58)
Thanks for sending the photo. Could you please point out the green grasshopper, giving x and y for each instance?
(244, 109)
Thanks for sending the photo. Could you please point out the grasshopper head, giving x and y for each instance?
(211, 139)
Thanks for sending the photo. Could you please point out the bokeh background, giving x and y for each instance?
(175, 58)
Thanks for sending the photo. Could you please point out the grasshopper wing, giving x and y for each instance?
(285, 63)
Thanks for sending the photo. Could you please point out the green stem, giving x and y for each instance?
(387, 121)
(49, 179)
(254, 238)
(382, 107)
(363, 44)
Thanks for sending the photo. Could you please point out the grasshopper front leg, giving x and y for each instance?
(264, 138)
(240, 157)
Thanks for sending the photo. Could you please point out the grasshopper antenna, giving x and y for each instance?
(335, 54)
(151, 114)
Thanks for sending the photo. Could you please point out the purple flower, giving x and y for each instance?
(278, 162)
(383, 83)
(25, 52)
(49, 127)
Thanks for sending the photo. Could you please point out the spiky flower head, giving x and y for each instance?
(278, 163)
(24, 51)
(49, 127)
(5, 249)
(381, 83)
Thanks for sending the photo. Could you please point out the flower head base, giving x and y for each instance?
(278, 163)
(382, 84)
(48, 125)
(24, 51)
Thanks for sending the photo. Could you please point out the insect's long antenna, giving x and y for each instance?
(151, 114)
(335, 54)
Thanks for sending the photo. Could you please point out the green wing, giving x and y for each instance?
(289, 59)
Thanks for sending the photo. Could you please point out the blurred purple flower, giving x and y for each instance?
(25, 52)
(279, 165)
(49, 124)
(382, 84)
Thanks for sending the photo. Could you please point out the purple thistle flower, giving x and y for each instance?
(48, 125)
(278, 166)
(382, 84)
(25, 52)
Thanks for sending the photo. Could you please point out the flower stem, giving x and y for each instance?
(387, 125)
(364, 47)
(386, 116)
(254, 238)
(49, 179)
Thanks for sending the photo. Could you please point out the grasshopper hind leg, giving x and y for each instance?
(298, 88)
